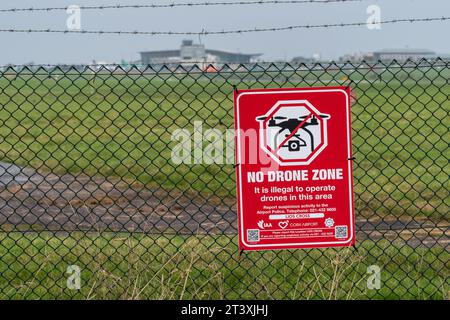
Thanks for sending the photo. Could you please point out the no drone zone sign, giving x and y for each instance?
(294, 168)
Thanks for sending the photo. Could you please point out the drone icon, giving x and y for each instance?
(291, 127)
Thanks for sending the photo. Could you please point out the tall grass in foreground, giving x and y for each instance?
(124, 266)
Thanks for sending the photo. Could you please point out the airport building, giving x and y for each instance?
(403, 54)
(190, 52)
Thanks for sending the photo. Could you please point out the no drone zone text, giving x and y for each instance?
(295, 175)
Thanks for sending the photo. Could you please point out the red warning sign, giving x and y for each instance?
(294, 168)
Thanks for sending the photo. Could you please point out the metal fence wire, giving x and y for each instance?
(93, 206)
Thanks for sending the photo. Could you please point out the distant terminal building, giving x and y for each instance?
(403, 54)
(301, 59)
(190, 52)
(387, 55)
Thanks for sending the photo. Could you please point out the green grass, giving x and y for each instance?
(33, 266)
(120, 126)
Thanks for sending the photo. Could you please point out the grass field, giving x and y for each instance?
(120, 126)
(207, 267)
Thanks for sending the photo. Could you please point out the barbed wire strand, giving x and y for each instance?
(182, 4)
(205, 32)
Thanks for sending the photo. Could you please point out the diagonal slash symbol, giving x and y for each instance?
(293, 132)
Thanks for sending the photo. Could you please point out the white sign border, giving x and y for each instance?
(240, 208)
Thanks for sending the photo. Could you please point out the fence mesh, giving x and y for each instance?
(88, 187)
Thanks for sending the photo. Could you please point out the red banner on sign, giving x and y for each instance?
(294, 168)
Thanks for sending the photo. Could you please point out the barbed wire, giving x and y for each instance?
(221, 32)
(181, 4)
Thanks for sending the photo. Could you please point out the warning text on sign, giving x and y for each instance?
(295, 175)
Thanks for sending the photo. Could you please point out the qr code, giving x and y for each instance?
(340, 232)
(252, 235)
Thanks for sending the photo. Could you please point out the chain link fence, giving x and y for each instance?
(92, 205)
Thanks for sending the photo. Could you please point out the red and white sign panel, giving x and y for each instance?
(294, 172)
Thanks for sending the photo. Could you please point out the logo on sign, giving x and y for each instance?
(263, 225)
(283, 224)
(329, 222)
(293, 132)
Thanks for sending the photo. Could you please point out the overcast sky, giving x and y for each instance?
(329, 43)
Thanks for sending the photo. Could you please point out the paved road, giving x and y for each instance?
(10, 173)
(71, 202)
(80, 202)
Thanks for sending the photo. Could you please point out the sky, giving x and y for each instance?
(18, 48)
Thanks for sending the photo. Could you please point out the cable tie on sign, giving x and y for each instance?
(351, 158)
(236, 165)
